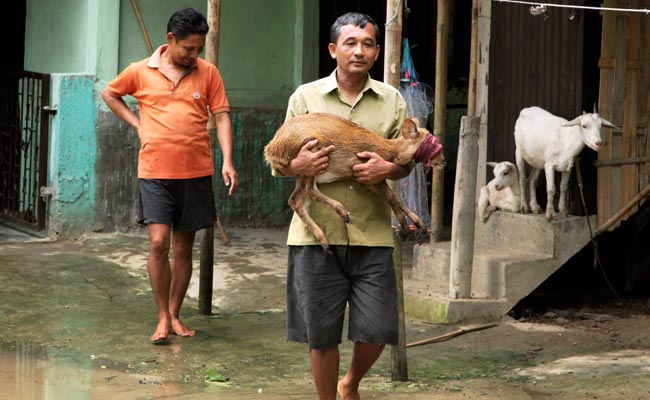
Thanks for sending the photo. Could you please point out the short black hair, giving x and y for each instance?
(186, 22)
(354, 19)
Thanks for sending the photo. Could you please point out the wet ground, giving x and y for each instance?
(77, 316)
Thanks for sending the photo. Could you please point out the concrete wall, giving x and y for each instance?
(73, 149)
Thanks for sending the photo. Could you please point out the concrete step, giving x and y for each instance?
(423, 303)
(513, 254)
(489, 269)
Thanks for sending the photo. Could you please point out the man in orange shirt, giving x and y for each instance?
(176, 91)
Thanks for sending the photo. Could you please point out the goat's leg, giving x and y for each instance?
(521, 166)
(484, 208)
(297, 204)
(564, 186)
(318, 196)
(399, 208)
(534, 178)
(550, 191)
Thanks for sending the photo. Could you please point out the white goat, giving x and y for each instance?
(548, 142)
(502, 192)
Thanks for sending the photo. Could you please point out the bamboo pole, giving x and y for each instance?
(392, 61)
(206, 273)
(439, 117)
(134, 3)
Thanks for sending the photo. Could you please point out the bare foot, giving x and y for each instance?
(346, 392)
(161, 334)
(181, 330)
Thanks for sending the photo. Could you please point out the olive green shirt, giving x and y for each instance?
(379, 108)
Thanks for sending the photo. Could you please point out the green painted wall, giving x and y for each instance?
(258, 40)
(55, 36)
(267, 48)
(72, 155)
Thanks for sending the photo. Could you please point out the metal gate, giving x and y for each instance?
(24, 99)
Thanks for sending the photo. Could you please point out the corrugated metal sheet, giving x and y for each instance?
(261, 199)
(534, 61)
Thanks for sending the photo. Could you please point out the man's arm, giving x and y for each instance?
(119, 108)
(224, 136)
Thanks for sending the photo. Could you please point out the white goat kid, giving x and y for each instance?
(502, 192)
(550, 143)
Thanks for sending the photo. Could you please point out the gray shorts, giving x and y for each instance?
(183, 204)
(320, 285)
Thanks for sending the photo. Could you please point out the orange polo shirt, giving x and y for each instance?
(174, 140)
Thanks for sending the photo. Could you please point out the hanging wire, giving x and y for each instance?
(594, 240)
(542, 6)
(390, 21)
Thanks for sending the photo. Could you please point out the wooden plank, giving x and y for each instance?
(629, 179)
(644, 99)
(608, 46)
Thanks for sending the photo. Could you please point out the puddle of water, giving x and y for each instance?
(34, 373)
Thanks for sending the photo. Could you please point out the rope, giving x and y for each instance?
(390, 21)
(594, 242)
(542, 6)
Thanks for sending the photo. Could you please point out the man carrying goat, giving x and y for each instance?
(359, 271)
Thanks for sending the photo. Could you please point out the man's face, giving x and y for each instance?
(185, 52)
(356, 49)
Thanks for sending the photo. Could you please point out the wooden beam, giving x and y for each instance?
(440, 117)
(392, 61)
(206, 267)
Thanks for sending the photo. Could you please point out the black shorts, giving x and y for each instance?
(320, 285)
(183, 204)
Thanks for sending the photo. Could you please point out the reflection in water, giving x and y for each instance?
(34, 373)
(39, 374)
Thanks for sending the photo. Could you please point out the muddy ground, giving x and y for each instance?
(76, 318)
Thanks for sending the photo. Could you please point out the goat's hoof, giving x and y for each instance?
(550, 215)
(347, 219)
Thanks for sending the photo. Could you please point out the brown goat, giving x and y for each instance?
(348, 139)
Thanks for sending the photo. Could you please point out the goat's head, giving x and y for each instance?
(429, 150)
(505, 174)
(589, 125)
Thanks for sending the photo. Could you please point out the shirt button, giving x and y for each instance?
(351, 187)
(352, 110)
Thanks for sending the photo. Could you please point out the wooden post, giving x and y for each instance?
(207, 239)
(464, 212)
(392, 61)
(473, 45)
(440, 117)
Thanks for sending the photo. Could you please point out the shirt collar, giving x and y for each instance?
(330, 85)
(154, 60)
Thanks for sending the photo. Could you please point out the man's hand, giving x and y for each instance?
(375, 169)
(230, 178)
(309, 162)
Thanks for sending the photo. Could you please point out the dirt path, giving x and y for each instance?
(76, 317)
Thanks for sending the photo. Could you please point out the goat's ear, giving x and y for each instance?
(416, 120)
(491, 164)
(409, 129)
(608, 124)
(573, 122)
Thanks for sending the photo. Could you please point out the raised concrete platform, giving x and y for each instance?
(513, 254)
